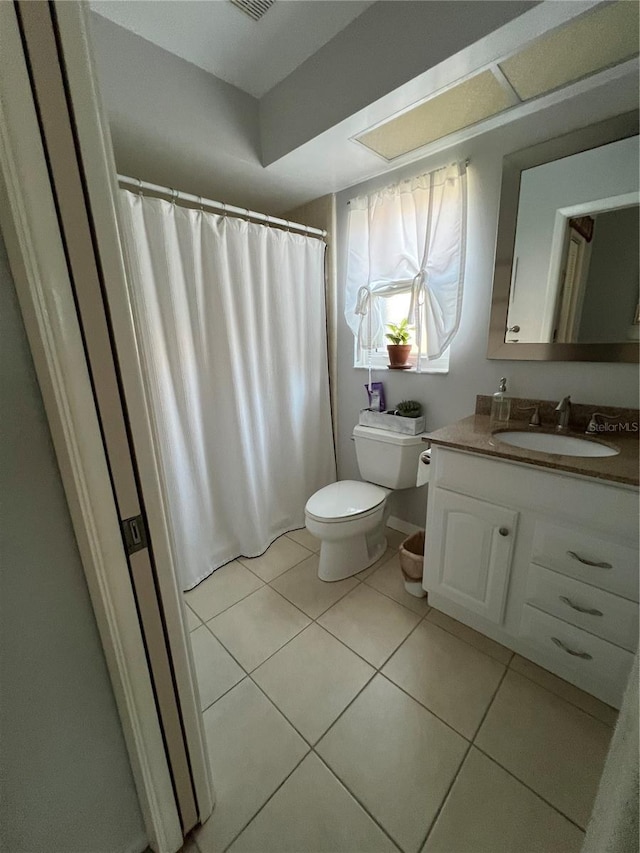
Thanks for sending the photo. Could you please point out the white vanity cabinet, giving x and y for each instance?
(471, 541)
(544, 562)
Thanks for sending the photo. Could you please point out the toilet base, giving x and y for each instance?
(347, 557)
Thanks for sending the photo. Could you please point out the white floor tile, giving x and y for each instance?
(192, 620)
(396, 758)
(224, 587)
(388, 580)
(488, 811)
(304, 538)
(448, 676)
(369, 623)
(252, 749)
(552, 746)
(495, 650)
(567, 691)
(280, 556)
(216, 670)
(312, 813)
(302, 587)
(257, 626)
(312, 680)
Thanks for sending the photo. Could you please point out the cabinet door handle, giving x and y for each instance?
(504, 531)
(583, 655)
(586, 562)
(590, 611)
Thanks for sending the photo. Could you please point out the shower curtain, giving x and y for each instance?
(230, 319)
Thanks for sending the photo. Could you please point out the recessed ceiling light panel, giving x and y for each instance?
(593, 42)
(255, 9)
(461, 106)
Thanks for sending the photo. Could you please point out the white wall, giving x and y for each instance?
(449, 397)
(66, 780)
(173, 123)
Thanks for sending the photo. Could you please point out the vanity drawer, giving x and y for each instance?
(585, 660)
(609, 616)
(580, 554)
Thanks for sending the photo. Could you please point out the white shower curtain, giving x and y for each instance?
(230, 318)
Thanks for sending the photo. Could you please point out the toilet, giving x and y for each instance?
(349, 517)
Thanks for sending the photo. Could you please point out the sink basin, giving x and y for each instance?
(545, 442)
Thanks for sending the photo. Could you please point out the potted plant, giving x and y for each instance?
(399, 348)
(409, 409)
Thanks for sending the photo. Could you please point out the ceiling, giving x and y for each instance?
(219, 38)
(174, 124)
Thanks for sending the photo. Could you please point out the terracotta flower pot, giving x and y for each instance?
(398, 354)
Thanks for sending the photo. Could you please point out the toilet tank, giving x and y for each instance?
(387, 458)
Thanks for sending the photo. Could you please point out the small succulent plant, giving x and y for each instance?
(409, 409)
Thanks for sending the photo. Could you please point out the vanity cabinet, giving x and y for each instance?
(473, 541)
(544, 562)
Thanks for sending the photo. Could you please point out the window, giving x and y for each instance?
(406, 255)
(393, 309)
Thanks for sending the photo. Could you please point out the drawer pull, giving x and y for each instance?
(586, 562)
(590, 611)
(504, 531)
(583, 655)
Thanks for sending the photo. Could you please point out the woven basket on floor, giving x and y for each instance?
(412, 556)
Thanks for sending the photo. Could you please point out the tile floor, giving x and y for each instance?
(352, 718)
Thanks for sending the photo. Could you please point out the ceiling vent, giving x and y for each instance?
(255, 9)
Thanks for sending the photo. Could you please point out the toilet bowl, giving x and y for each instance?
(349, 517)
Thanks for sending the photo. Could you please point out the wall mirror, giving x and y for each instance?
(567, 254)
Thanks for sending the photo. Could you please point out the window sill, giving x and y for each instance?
(412, 369)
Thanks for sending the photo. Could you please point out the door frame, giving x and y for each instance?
(101, 183)
(36, 251)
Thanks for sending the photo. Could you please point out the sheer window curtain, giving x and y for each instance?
(409, 237)
(230, 317)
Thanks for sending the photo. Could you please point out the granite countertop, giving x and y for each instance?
(475, 434)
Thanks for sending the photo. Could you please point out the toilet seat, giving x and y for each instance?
(344, 500)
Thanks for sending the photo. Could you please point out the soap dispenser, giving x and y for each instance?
(500, 404)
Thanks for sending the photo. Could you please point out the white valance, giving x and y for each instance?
(410, 237)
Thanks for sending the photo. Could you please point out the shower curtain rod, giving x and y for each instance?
(226, 209)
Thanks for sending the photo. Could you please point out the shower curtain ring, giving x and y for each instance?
(201, 206)
(174, 196)
(224, 208)
(140, 187)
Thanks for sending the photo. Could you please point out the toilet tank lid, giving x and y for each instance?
(345, 498)
(386, 436)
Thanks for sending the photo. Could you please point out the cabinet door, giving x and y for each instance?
(468, 552)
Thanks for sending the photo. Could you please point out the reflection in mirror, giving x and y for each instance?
(574, 276)
(598, 280)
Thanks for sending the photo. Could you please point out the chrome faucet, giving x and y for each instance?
(564, 413)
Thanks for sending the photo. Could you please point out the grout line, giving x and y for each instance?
(309, 554)
(563, 698)
(224, 610)
(425, 707)
(457, 773)
(269, 798)
(358, 800)
(529, 788)
(469, 643)
(222, 695)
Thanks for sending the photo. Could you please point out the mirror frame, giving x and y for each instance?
(513, 165)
